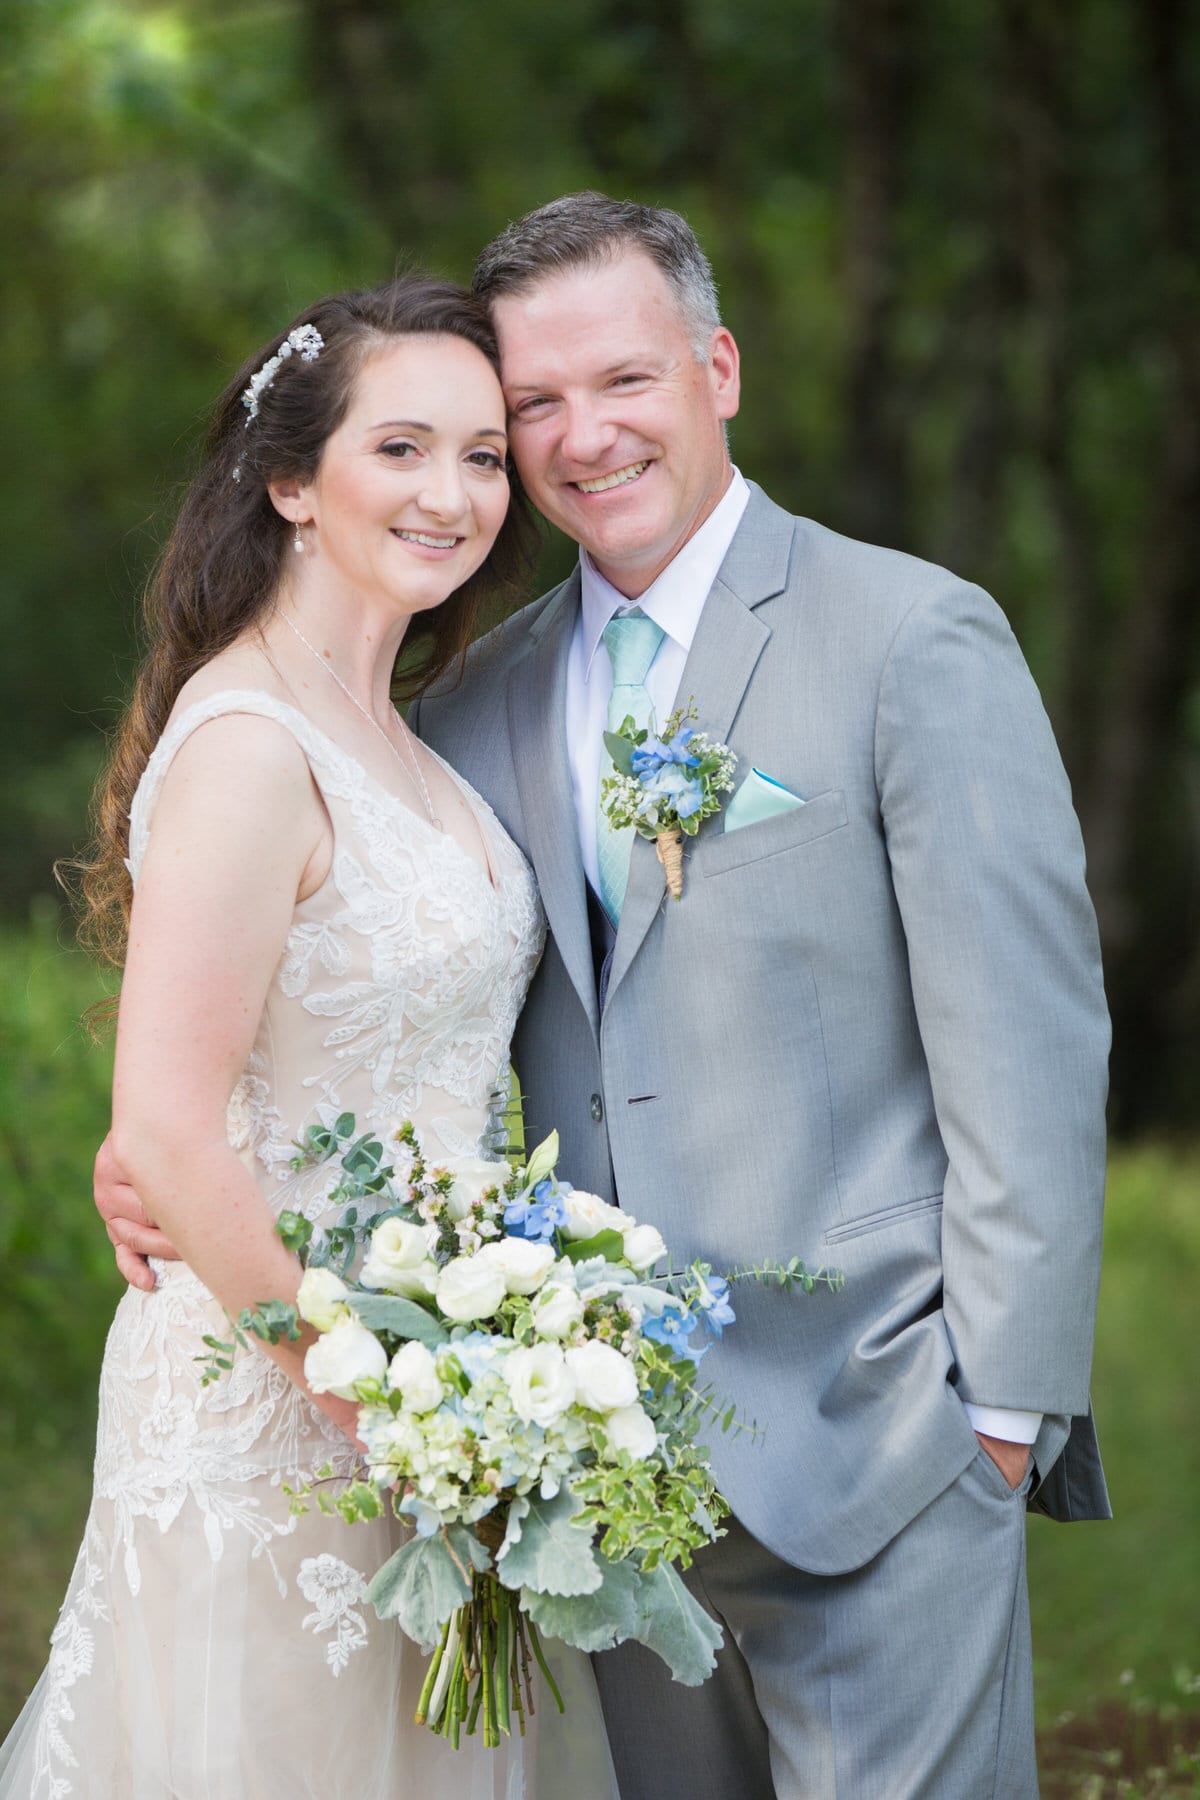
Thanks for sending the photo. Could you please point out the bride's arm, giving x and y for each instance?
(239, 832)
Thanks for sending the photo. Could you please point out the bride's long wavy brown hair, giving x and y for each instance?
(217, 576)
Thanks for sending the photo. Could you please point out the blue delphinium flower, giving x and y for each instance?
(656, 753)
(712, 1297)
(537, 1216)
(672, 783)
(673, 1327)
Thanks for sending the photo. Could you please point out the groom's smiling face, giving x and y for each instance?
(616, 427)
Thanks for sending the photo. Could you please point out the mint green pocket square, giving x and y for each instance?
(759, 797)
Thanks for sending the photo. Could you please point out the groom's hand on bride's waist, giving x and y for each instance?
(130, 1228)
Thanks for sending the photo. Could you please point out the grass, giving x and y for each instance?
(1115, 1606)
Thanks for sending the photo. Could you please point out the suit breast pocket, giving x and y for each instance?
(772, 837)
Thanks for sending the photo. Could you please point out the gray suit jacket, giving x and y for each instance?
(872, 1032)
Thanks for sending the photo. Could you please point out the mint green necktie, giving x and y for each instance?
(632, 641)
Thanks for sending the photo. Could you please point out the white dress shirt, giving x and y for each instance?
(674, 601)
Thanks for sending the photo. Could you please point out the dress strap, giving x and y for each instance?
(335, 773)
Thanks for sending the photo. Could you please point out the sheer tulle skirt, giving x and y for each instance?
(212, 1647)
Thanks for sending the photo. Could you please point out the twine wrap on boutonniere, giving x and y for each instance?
(665, 787)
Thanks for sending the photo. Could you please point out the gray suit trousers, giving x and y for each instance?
(908, 1679)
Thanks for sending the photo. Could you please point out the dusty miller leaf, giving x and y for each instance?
(676, 1627)
(422, 1584)
(596, 1621)
(544, 1551)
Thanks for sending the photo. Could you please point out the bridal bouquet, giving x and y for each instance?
(528, 1396)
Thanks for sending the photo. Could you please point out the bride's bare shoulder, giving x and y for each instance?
(243, 667)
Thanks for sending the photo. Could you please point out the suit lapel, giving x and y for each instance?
(729, 640)
(537, 707)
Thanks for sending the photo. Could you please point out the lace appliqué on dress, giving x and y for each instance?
(334, 1590)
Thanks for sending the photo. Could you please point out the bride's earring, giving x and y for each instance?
(298, 541)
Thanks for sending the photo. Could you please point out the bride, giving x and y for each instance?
(327, 919)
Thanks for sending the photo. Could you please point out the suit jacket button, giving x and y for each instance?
(597, 1108)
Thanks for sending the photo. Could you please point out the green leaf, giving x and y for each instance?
(676, 1627)
(294, 1229)
(426, 1580)
(344, 1126)
(621, 752)
(608, 1244)
(544, 1551)
(597, 1621)
(402, 1317)
(542, 1162)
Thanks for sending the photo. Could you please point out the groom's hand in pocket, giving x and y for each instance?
(130, 1228)
(1012, 1460)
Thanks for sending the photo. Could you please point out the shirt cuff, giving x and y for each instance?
(1004, 1423)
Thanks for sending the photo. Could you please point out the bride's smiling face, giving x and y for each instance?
(411, 489)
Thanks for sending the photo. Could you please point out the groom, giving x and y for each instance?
(871, 1033)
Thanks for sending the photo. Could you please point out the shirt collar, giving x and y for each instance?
(675, 599)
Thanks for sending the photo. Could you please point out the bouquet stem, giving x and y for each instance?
(481, 1672)
(669, 845)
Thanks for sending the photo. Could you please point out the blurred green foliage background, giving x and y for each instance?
(957, 242)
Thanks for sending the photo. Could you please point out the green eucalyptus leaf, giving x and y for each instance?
(402, 1317)
(620, 750)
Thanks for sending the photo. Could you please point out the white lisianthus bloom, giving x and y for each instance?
(604, 1379)
(643, 1246)
(473, 1175)
(412, 1373)
(524, 1265)
(470, 1287)
(630, 1428)
(557, 1310)
(588, 1214)
(345, 1354)
(321, 1298)
(539, 1383)
(397, 1248)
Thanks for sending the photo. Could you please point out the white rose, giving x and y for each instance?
(345, 1354)
(588, 1213)
(557, 1311)
(603, 1377)
(539, 1383)
(321, 1298)
(630, 1428)
(643, 1246)
(470, 1287)
(397, 1249)
(413, 1374)
(523, 1265)
(472, 1175)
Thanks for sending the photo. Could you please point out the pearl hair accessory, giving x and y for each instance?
(307, 342)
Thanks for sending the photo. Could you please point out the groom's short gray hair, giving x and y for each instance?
(588, 229)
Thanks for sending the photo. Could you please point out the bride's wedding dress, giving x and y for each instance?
(212, 1646)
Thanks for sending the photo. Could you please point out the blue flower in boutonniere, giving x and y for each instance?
(665, 787)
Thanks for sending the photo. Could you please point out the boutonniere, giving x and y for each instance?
(665, 787)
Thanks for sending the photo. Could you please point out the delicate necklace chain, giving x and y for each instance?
(407, 759)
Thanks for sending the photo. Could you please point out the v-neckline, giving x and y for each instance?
(487, 870)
